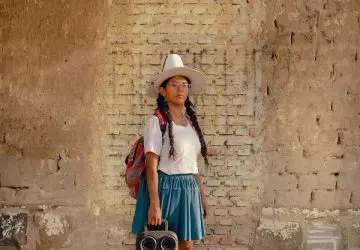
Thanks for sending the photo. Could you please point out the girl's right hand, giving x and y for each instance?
(154, 215)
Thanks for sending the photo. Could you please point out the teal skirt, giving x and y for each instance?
(180, 204)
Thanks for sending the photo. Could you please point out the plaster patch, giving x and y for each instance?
(315, 213)
(285, 230)
(54, 224)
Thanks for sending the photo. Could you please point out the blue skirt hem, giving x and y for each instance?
(180, 203)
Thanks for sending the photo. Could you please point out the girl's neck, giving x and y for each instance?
(177, 110)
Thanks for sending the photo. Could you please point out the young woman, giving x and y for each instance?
(172, 188)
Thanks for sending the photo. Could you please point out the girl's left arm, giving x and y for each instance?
(202, 193)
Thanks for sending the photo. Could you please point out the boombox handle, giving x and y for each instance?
(163, 222)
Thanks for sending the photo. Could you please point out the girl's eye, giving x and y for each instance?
(182, 84)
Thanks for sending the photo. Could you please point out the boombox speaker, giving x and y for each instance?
(157, 238)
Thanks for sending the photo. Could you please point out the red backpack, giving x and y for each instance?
(135, 160)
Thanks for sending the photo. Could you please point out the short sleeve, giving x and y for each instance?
(153, 136)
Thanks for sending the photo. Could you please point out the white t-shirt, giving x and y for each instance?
(186, 144)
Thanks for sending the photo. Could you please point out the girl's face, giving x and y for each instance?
(176, 90)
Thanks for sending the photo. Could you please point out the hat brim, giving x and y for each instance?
(196, 78)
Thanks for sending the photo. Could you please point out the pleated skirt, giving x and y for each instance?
(180, 203)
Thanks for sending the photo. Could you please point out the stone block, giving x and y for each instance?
(213, 183)
(225, 202)
(277, 162)
(211, 240)
(48, 166)
(298, 163)
(199, 9)
(227, 172)
(220, 212)
(212, 201)
(239, 211)
(63, 197)
(217, 141)
(240, 141)
(355, 198)
(239, 100)
(334, 165)
(331, 199)
(231, 183)
(281, 182)
(55, 181)
(7, 195)
(222, 230)
(317, 181)
(350, 138)
(217, 162)
(244, 150)
(234, 163)
(241, 130)
(18, 172)
(246, 110)
(267, 212)
(13, 196)
(91, 238)
(226, 222)
(292, 198)
(349, 180)
(239, 120)
(269, 197)
(215, 9)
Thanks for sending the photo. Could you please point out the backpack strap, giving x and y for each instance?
(162, 120)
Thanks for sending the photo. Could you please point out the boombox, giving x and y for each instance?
(157, 238)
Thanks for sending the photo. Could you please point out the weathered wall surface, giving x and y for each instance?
(310, 73)
(48, 63)
(311, 146)
(280, 109)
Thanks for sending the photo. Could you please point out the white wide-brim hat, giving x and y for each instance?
(172, 65)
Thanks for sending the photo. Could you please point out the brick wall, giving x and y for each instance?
(280, 109)
(217, 38)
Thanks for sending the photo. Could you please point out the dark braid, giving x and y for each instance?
(164, 108)
(195, 124)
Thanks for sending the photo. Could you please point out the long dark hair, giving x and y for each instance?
(162, 105)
